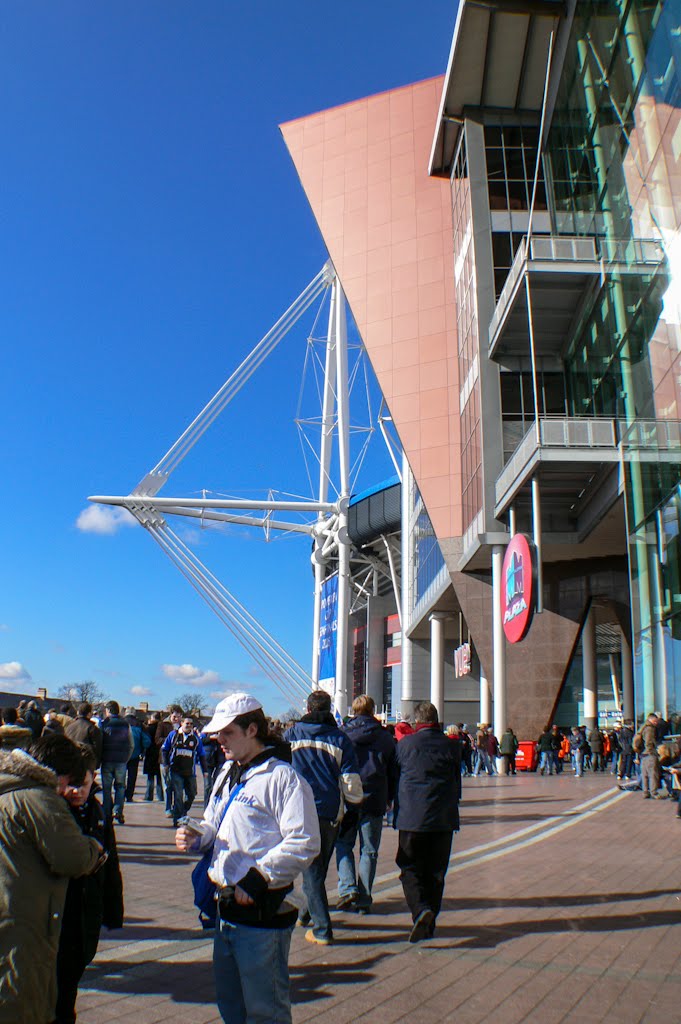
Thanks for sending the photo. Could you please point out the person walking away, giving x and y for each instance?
(625, 764)
(140, 743)
(33, 720)
(261, 824)
(426, 816)
(41, 847)
(117, 746)
(13, 735)
(181, 752)
(165, 727)
(83, 730)
(645, 745)
(595, 741)
(151, 766)
(577, 747)
(375, 750)
(215, 759)
(466, 748)
(545, 744)
(492, 750)
(92, 901)
(508, 749)
(556, 748)
(326, 759)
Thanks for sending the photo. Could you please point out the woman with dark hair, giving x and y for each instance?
(41, 847)
(92, 900)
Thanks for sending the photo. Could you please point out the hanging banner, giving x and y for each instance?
(462, 661)
(328, 624)
(518, 588)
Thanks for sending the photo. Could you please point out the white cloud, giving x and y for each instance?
(13, 674)
(221, 694)
(190, 675)
(104, 519)
(141, 691)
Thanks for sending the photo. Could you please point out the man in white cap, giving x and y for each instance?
(262, 826)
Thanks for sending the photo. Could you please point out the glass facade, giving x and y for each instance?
(613, 169)
(427, 567)
(467, 335)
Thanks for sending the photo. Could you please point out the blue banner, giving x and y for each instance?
(328, 624)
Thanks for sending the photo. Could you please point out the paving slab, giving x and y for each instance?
(561, 905)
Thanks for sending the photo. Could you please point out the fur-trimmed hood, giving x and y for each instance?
(18, 770)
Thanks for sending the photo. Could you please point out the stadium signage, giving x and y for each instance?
(518, 596)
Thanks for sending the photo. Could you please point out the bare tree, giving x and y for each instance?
(80, 693)
(292, 715)
(191, 703)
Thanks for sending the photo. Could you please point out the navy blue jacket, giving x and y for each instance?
(375, 749)
(117, 741)
(429, 782)
(326, 759)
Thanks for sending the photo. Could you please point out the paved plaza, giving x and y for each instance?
(561, 905)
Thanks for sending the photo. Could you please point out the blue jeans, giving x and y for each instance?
(251, 974)
(314, 881)
(184, 793)
(113, 774)
(370, 828)
(484, 764)
(546, 763)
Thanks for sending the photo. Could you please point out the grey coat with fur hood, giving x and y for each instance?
(41, 847)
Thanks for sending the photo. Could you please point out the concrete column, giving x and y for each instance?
(437, 662)
(485, 699)
(377, 610)
(628, 707)
(589, 670)
(499, 641)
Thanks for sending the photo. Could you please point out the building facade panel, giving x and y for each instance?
(387, 227)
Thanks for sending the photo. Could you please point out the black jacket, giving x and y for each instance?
(429, 782)
(82, 730)
(117, 741)
(92, 900)
(375, 749)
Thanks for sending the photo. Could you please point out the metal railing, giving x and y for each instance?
(561, 433)
(632, 252)
(656, 435)
(543, 248)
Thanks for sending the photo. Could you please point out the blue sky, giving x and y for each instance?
(152, 229)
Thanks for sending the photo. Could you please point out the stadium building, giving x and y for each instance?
(508, 240)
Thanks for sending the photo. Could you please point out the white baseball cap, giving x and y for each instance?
(230, 708)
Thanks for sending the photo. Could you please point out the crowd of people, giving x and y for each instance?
(280, 802)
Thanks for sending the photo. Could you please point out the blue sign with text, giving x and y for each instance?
(328, 624)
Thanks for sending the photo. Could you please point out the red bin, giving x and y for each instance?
(526, 757)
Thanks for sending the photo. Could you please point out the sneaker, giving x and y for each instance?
(646, 796)
(311, 937)
(346, 901)
(119, 818)
(421, 928)
(304, 919)
(169, 814)
(363, 911)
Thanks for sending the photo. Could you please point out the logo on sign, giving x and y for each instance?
(518, 597)
(462, 660)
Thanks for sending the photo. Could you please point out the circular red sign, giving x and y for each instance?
(517, 588)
